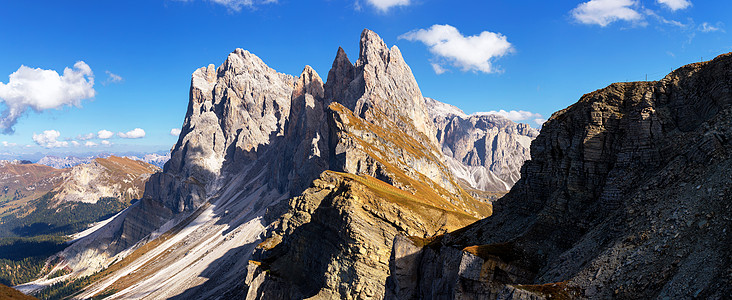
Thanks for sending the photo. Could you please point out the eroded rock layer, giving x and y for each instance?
(266, 167)
(627, 195)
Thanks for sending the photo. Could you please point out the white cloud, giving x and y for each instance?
(604, 12)
(469, 53)
(39, 89)
(84, 137)
(438, 69)
(91, 144)
(516, 115)
(112, 78)
(48, 139)
(75, 143)
(132, 134)
(6, 144)
(237, 5)
(675, 4)
(105, 134)
(175, 132)
(706, 27)
(106, 143)
(385, 5)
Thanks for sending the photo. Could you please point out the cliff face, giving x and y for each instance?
(235, 111)
(334, 240)
(486, 151)
(626, 195)
(266, 166)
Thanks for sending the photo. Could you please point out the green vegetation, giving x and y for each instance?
(63, 289)
(42, 218)
(8, 293)
(104, 294)
(24, 259)
(39, 229)
(59, 273)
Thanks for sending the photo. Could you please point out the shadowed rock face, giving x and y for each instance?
(622, 190)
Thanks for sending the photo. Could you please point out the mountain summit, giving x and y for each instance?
(284, 186)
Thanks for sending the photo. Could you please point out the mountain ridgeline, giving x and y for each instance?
(267, 164)
(627, 195)
(359, 187)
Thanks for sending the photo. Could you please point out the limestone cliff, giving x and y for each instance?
(334, 240)
(626, 196)
(274, 174)
(486, 151)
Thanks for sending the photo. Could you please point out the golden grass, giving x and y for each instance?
(9, 293)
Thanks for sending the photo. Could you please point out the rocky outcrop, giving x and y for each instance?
(625, 196)
(235, 111)
(382, 182)
(486, 151)
(380, 79)
(115, 177)
(293, 174)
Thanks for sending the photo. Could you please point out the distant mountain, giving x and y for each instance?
(64, 162)
(485, 151)
(71, 161)
(40, 206)
(153, 159)
(112, 177)
(21, 182)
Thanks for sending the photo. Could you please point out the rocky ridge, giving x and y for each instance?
(486, 151)
(25, 182)
(64, 162)
(230, 193)
(115, 177)
(626, 196)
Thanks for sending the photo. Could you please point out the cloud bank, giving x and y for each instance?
(604, 12)
(136, 133)
(517, 115)
(385, 5)
(105, 134)
(40, 90)
(48, 139)
(675, 4)
(469, 53)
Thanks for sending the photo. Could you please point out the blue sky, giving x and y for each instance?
(532, 56)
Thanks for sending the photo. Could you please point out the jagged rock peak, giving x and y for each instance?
(340, 77)
(309, 82)
(372, 47)
(233, 112)
(380, 79)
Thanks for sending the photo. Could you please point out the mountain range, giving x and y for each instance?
(359, 187)
(71, 161)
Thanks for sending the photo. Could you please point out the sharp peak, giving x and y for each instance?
(308, 71)
(370, 38)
